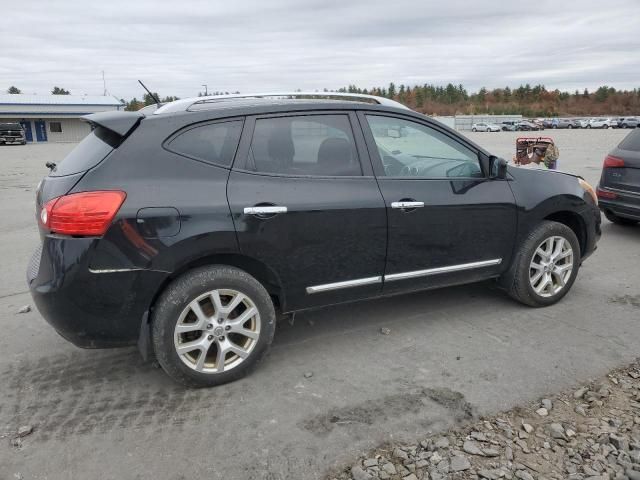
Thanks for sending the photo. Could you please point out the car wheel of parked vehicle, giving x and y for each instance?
(545, 266)
(613, 218)
(588, 126)
(570, 126)
(605, 126)
(212, 325)
(474, 130)
(624, 125)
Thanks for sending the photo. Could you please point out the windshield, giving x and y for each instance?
(10, 126)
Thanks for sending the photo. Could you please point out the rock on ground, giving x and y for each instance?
(590, 433)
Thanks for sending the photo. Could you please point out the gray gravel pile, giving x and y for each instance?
(592, 433)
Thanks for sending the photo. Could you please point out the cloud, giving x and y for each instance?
(287, 44)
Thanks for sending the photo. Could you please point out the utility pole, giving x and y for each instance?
(206, 92)
(104, 85)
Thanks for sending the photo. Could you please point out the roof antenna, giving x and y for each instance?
(150, 94)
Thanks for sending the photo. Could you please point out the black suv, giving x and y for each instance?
(188, 229)
(619, 187)
(12, 133)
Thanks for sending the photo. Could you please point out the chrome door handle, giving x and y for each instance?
(270, 210)
(407, 205)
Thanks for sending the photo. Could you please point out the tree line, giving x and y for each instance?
(13, 90)
(526, 100)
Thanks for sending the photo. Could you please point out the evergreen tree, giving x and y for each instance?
(60, 91)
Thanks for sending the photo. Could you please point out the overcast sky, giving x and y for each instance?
(277, 45)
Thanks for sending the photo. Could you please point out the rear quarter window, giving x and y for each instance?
(214, 143)
(631, 141)
(89, 152)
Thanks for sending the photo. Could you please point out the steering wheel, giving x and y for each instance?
(392, 166)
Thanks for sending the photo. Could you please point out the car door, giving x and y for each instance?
(448, 221)
(307, 207)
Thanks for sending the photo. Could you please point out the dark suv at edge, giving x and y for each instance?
(619, 187)
(187, 229)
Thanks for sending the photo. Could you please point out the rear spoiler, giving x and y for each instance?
(118, 122)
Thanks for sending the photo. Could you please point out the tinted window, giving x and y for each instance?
(88, 153)
(212, 143)
(410, 149)
(320, 145)
(631, 141)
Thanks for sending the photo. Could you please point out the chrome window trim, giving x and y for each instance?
(327, 287)
(436, 271)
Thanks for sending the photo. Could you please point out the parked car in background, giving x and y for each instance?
(602, 123)
(526, 125)
(619, 188)
(628, 122)
(561, 123)
(508, 126)
(485, 127)
(12, 133)
(196, 279)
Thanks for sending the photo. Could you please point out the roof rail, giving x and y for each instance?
(186, 103)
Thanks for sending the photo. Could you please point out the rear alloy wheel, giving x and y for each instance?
(545, 266)
(212, 325)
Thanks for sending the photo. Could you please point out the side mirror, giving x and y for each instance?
(497, 167)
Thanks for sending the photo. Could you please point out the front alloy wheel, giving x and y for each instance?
(551, 266)
(545, 265)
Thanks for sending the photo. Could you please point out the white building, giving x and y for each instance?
(54, 118)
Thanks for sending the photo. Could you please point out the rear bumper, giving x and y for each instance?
(625, 205)
(91, 309)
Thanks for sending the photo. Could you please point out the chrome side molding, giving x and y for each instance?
(347, 284)
(264, 210)
(435, 271)
(402, 276)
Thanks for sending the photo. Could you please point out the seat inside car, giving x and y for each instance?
(335, 157)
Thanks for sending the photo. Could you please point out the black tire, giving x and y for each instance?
(175, 299)
(516, 280)
(588, 126)
(570, 126)
(605, 126)
(474, 130)
(624, 125)
(613, 218)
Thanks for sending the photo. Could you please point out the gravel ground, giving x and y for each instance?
(338, 382)
(591, 433)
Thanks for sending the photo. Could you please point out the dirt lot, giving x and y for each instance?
(107, 414)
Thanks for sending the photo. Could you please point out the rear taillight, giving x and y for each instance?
(82, 214)
(613, 162)
(607, 195)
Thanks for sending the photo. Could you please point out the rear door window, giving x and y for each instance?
(88, 153)
(214, 143)
(316, 145)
